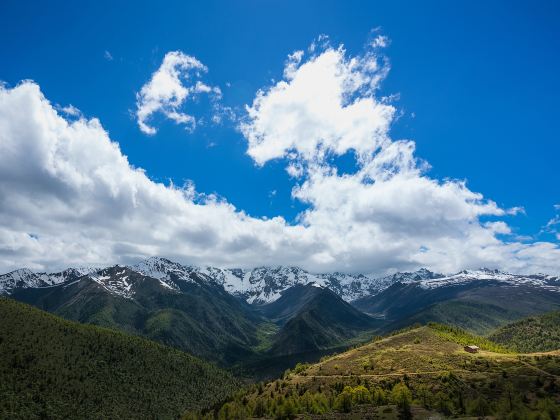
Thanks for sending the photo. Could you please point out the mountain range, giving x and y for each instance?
(235, 316)
(265, 284)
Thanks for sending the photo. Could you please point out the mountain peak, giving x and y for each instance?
(21, 272)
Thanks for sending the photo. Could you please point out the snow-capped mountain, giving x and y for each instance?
(263, 284)
(116, 280)
(266, 284)
(162, 269)
(258, 285)
(25, 278)
(484, 274)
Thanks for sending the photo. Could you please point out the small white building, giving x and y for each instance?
(471, 349)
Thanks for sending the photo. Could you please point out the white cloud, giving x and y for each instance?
(71, 111)
(388, 214)
(552, 227)
(70, 185)
(380, 41)
(324, 105)
(553, 222)
(171, 85)
(68, 196)
(498, 227)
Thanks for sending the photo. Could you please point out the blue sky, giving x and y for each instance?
(476, 88)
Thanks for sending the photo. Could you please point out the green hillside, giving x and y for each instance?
(537, 333)
(471, 315)
(324, 321)
(53, 368)
(421, 373)
(203, 320)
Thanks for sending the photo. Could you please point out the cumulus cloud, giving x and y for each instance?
(388, 214)
(176, 81)
(324, 105)
(68, 195)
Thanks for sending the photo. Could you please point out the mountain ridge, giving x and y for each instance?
(265, 284)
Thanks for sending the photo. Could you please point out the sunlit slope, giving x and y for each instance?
(423, 372)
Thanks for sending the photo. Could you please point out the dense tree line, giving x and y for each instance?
(281, 400)
(53, 368)
(539, 333)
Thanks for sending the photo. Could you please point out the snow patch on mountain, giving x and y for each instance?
(266, 284)
(25, 278)
(166, 271)
(463, 277)
(262, 284)
(114, 280)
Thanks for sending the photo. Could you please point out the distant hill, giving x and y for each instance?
(54, 368)
(537, 333)
(290, 303)
(315, 319)
(478, 305)
(422, 373)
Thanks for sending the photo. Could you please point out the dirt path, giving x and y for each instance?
(429, 372)
(381, 375)
(538, 369)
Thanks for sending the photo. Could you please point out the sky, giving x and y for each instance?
(333, 135)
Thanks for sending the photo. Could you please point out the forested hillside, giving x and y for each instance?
(53, 368)
(537, 333)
